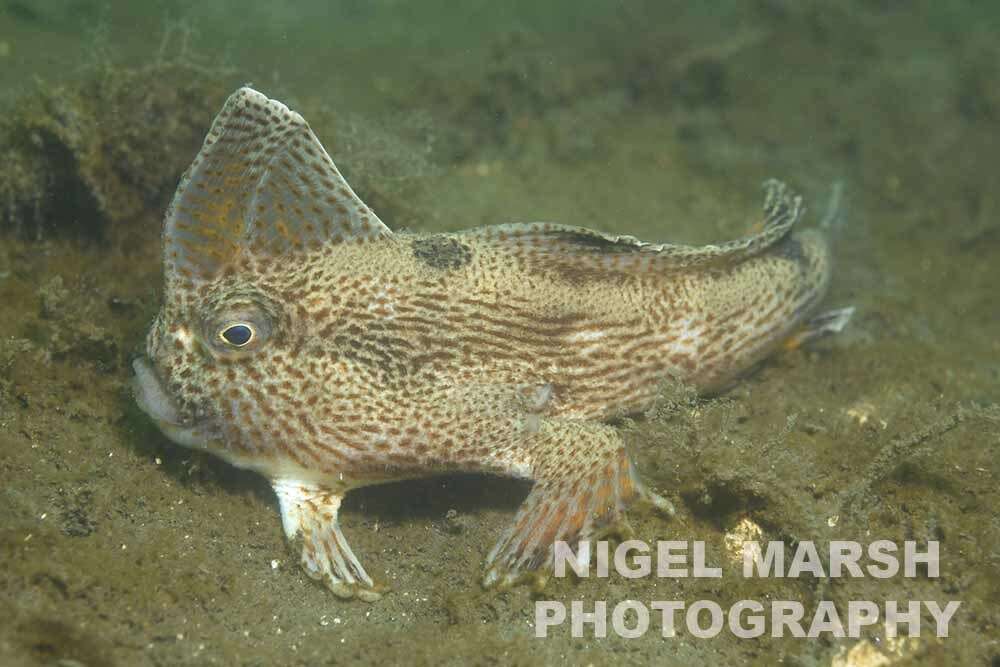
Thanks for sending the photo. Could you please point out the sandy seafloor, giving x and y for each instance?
(655, 119)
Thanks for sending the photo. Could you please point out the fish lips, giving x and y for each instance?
(153, 399)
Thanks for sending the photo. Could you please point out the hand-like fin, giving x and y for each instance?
(309, 515)
(584, 482)
(584, 251)
(261, 184)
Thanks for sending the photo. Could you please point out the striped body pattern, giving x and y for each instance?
(301, 338)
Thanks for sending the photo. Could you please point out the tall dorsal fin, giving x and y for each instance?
(584, 251)
(261, 184)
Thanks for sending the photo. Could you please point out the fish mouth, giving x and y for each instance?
(153, 399)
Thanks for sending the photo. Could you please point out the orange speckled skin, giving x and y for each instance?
(380, 356)
(368, 338)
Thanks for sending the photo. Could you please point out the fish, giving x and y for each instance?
(300, 338)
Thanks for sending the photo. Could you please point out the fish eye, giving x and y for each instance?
(237, 335)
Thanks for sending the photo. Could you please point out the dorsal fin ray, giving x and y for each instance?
(261, 184)
(580, 250)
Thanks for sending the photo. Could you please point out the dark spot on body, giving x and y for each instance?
(442, 252)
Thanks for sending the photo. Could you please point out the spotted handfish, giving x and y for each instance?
(300, 338)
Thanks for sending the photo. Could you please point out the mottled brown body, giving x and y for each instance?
(373, 336)
(375, 356)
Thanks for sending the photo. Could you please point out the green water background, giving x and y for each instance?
(657, 119)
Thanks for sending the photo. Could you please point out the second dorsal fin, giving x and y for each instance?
(584, 251)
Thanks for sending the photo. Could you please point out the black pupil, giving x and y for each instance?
(238, 334)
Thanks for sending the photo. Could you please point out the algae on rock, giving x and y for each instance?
(102, 149)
